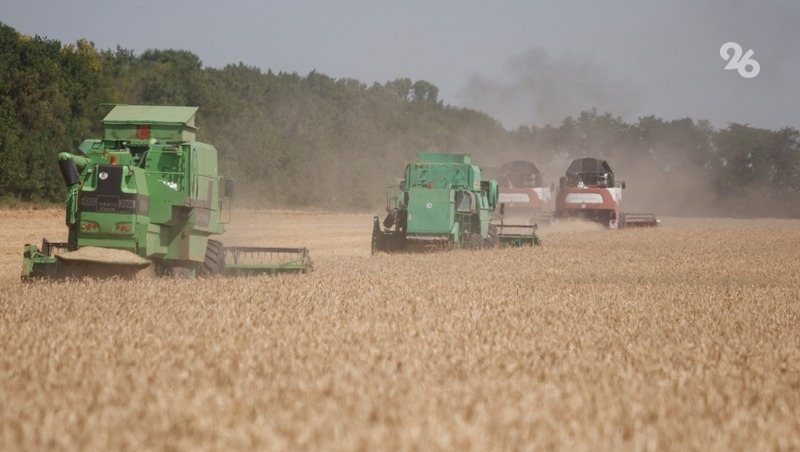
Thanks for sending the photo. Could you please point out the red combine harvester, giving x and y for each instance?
(589, 191)
(522, 194)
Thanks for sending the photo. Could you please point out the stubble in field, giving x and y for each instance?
(681, 337)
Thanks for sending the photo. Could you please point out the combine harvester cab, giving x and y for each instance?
(441, 202)
(148, 195)
(590, 191)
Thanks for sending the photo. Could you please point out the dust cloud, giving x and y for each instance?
(678, 188)
(542, 89)
(674, 189)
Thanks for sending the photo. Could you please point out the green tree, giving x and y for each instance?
(170, 77)
(318, 141)
(44, 89)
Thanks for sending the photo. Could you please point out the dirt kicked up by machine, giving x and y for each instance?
(148, 196)
(442, 202)
(589, 191)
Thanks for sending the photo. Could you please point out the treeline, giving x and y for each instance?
(315, 141)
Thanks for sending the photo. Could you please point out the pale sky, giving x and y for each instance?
(523, 62)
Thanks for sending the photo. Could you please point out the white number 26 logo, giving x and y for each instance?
(739, 62)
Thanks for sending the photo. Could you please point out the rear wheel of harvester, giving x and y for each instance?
(475, 241)
(214, 263)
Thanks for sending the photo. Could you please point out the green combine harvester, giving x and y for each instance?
(148, 196)
(441, 203)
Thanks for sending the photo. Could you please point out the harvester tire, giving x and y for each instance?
(475, 241)
(214, 263)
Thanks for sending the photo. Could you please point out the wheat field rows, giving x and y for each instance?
(684, 337)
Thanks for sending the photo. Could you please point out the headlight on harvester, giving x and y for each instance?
(90, 226)
(122, 228)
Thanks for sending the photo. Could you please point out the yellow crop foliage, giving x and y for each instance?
(683, 337)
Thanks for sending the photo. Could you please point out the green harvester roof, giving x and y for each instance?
(144, 122)
(425, 157)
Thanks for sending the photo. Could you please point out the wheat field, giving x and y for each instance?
(684, 337)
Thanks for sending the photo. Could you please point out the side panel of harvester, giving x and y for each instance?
(588, 191)
(535, 199)
(522, 194)
(590, 203)
(157, 195)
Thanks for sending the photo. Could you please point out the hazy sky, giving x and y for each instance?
(521, 61)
